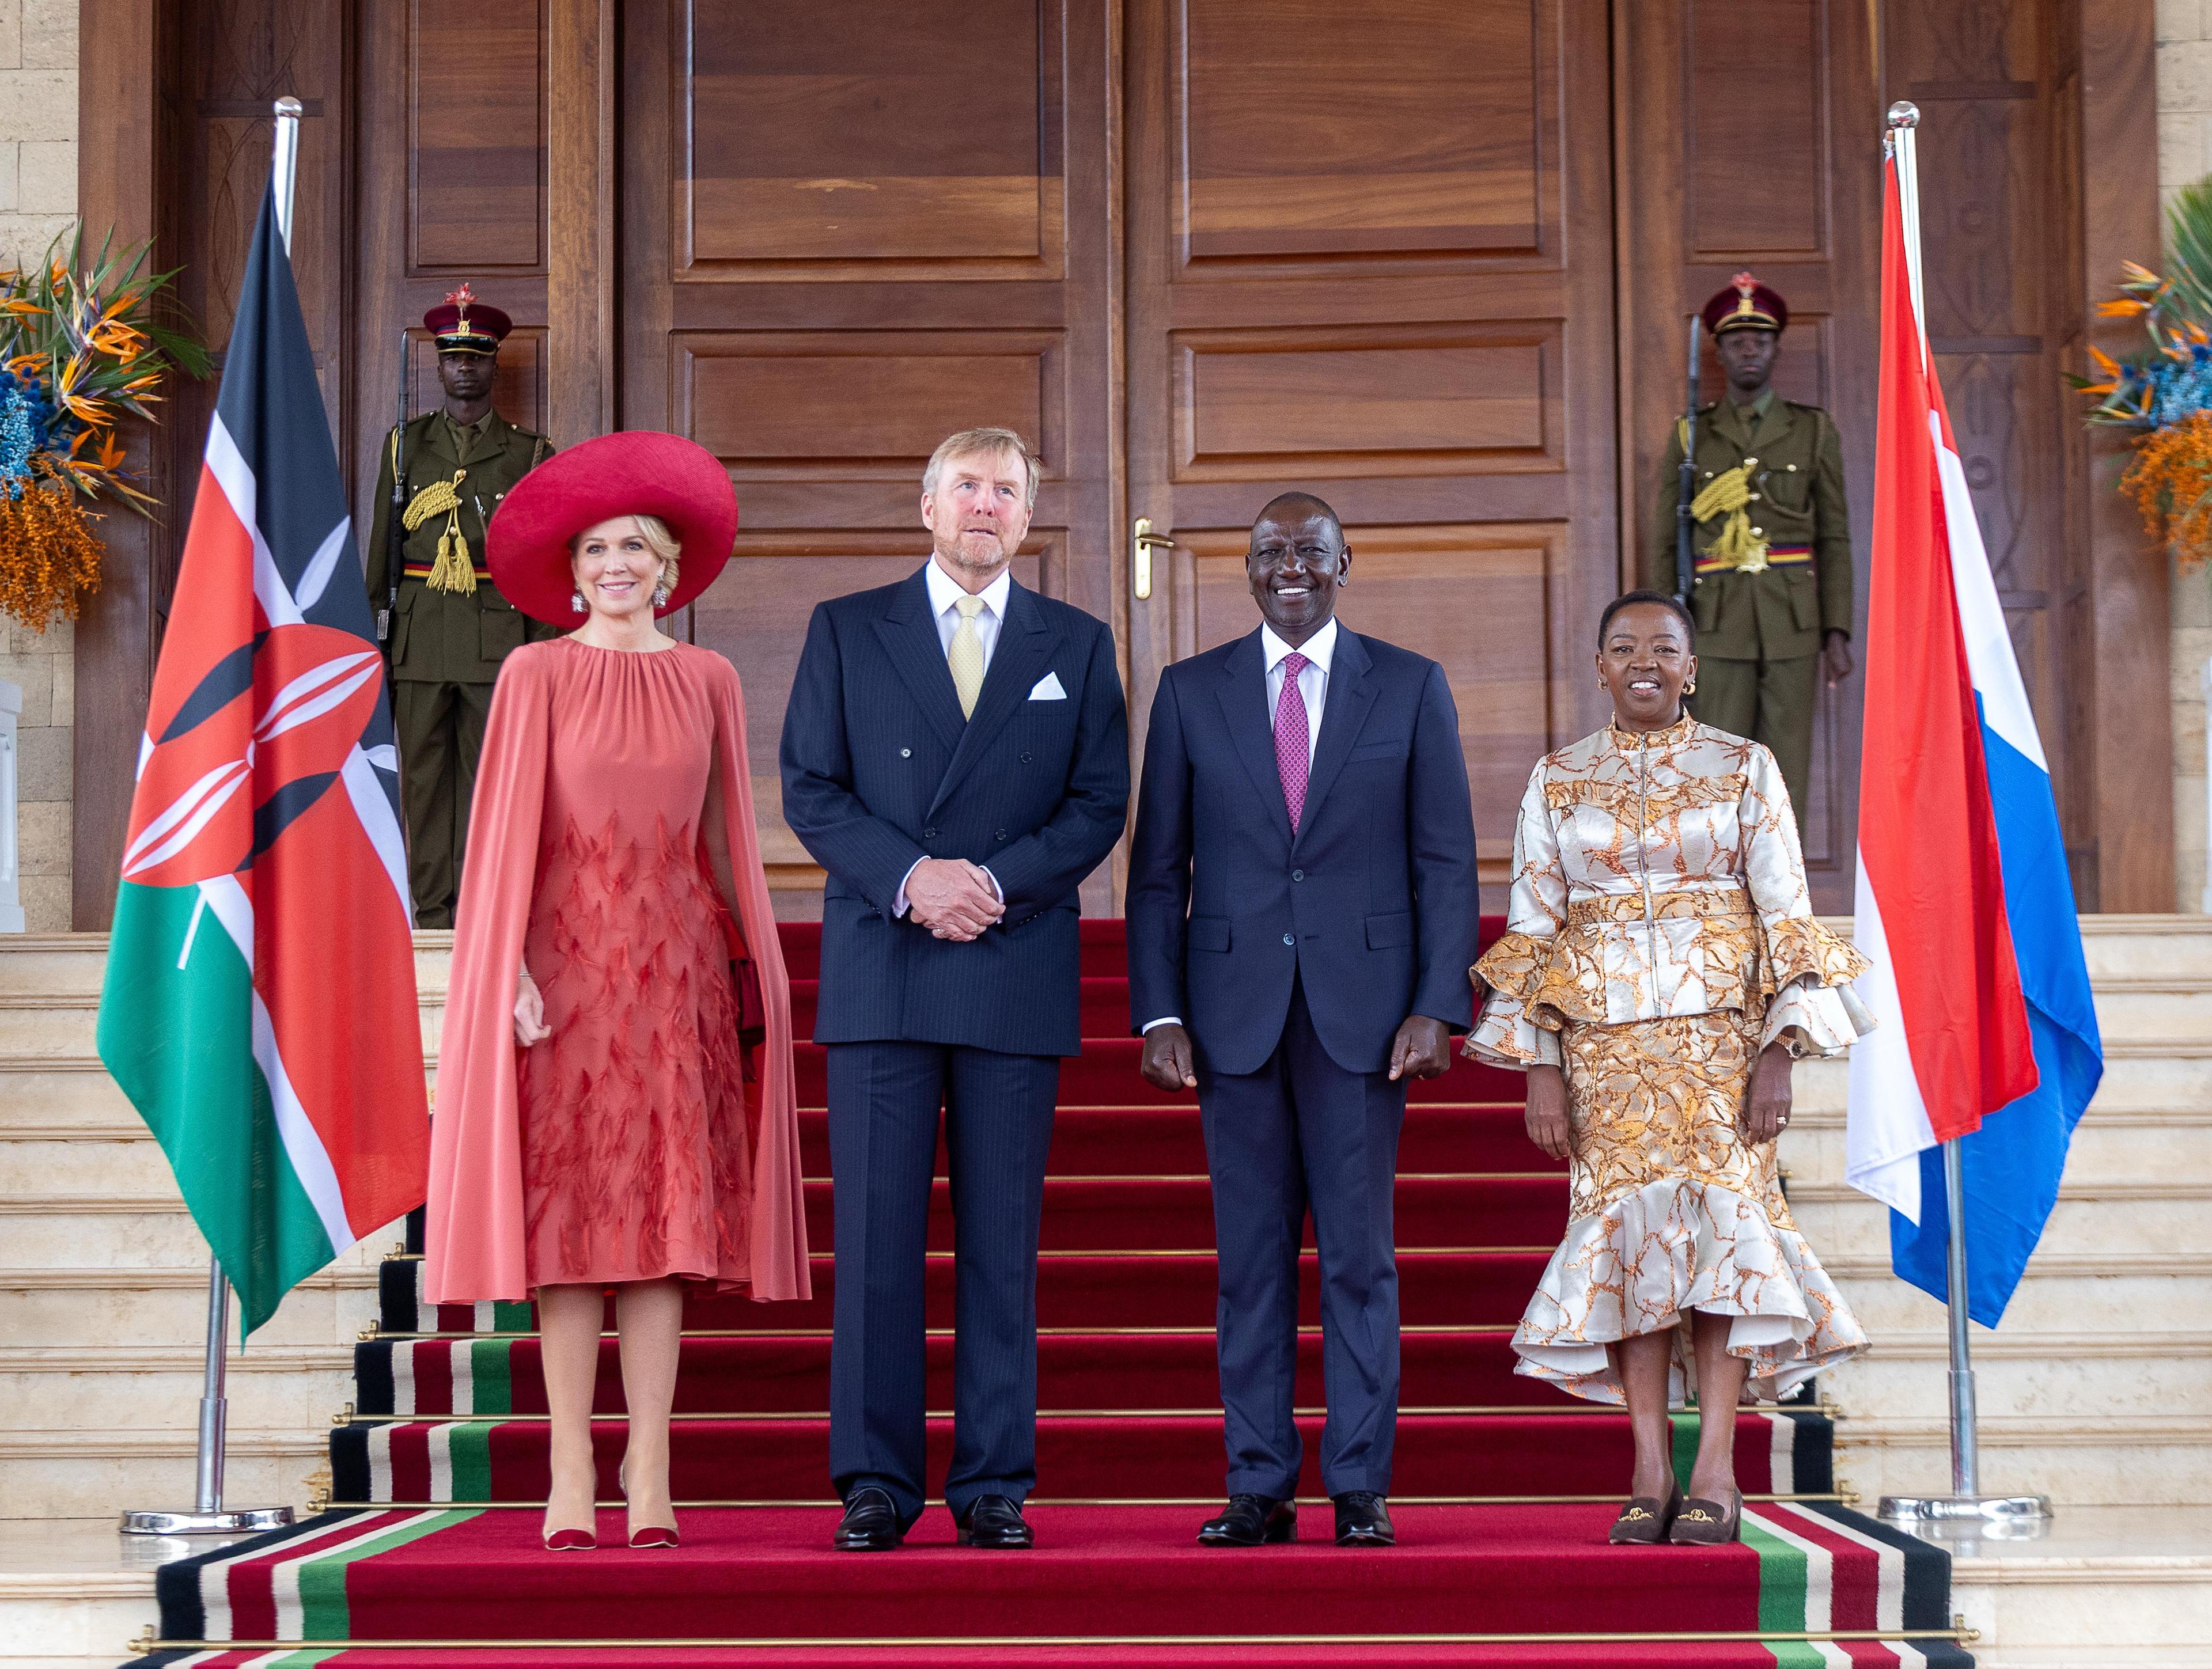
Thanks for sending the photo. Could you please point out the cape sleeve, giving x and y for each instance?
(474, 1247)
(778, 1227)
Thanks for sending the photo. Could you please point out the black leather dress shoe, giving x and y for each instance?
(1362, 1520)
(1251, 1520)
(871, 1524)
(995, 1522)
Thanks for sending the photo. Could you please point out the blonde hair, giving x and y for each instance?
(999, 441)
(660, 538)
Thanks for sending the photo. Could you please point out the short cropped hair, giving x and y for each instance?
(999, 441)
(1665, 599)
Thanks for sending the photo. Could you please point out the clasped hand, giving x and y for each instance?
(1765, 1107)
(1422, 1049)
(952, 898)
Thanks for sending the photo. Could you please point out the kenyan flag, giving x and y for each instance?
(260, 1007)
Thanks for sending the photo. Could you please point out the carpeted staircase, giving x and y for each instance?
(429, 1553)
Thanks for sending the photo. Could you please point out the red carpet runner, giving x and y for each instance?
(1504, 1488)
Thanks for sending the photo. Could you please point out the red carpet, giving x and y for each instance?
(1504, 1488)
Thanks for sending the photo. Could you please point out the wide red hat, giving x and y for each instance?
(634, 472)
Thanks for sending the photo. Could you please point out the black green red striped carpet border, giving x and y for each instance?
(1464, 1580)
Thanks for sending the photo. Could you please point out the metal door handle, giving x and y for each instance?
(1141, 541)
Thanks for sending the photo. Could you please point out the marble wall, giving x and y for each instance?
(37, 203)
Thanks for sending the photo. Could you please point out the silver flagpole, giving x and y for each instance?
(1994, 1516)
(209, 1515)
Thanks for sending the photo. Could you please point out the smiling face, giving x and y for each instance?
(1297, 561)
(616, 569)
(978, 514)
(1645, 661)
(1747, 358)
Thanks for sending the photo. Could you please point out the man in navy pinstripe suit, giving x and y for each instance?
(1301, 916)
(956, 756)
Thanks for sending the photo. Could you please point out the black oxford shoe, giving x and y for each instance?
(1251, 1520)
(995, 1522)
(871, 1524)
(1362, 1520)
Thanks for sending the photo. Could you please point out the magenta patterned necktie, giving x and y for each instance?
(1293, 737)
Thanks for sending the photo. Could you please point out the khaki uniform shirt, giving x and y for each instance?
(439, 636)
(1781, 613)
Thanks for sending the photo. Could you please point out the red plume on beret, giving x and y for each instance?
(630, 473)
(463, 324)
(1746, 305)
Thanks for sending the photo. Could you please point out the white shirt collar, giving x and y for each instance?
(944, 591)
(1318, 648)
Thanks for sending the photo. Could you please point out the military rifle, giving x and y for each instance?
(1687, 486)
(395, 535)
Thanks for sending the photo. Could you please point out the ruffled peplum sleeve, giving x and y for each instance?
(1807, 969)
(1507, 1031)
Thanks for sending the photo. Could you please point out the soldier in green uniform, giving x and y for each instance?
(448, 628)
(1770, 547)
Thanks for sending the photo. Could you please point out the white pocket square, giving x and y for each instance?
(1047, 688)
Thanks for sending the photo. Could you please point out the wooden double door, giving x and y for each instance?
(1201, 251)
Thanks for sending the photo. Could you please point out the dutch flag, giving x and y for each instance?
(1987, 1035)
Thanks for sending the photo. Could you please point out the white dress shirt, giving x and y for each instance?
(945, 595)
(1313, 685)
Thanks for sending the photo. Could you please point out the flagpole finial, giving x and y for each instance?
(288, 106)
(1904, 114)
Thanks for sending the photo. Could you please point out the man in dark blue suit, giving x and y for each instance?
(956, 756)
(1301, 917)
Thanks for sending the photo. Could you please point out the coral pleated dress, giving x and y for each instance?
(629, 1146)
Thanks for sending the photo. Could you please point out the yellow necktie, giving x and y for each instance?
(965, 656)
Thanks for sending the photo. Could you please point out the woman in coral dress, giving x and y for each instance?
(1660, 972)
(595, 1125)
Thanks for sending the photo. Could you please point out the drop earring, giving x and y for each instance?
(576, 602)
(1690, 688)
(661, 596)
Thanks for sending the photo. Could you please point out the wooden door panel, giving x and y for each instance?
(476, 82)
(849, 231)
(872, 140)
(1402, 399)
(1312, 130)
(1371, 256)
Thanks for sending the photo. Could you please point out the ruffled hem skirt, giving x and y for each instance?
(1649, 1257)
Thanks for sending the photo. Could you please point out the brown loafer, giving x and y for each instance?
(1707, 1524)
(1645, 1521)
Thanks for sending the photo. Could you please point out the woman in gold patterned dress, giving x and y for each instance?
(1662, 971)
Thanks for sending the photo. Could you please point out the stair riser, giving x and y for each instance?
(2110, 1612)
(2103, 1150)
(2091, 1474)
(97, 1485)
(2151, 1228)
(2146, 1083)
(124, 1318)
(296, 1397)
(2053, 1303)
(1875, 1386)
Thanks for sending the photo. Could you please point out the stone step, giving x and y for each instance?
(128, 1386)
(2061, 1291)
(2111, 1144)
(133, 1308)
(2148, 1079)
(2143, 1460)
(59, 1473)
(2107, 1587)
(2150, 1218)
(2075, 1376)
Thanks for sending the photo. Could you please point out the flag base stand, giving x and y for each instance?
(1995, 1516)
(209, 1516)
(222, 1521)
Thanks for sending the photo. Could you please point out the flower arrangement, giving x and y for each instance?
(81, 346)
